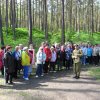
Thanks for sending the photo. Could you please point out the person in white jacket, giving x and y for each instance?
(41, 57)
(53, 59)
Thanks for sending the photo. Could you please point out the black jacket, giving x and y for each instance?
(9, 62)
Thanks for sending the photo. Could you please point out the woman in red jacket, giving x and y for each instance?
(48, 58)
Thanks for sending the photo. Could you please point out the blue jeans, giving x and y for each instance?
(26, 68)
(84, 59)
(39, 69)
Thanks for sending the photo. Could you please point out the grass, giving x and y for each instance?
(95, 72)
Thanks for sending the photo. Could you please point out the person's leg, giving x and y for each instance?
(96, 60)
(58, 67)
(63, 62)
(50, 69)
(84, 59)
(2, 71)
(89, 59)
(15, 73)
(78, 69)
(46, 67)
(25, 71)
(53, 65)
(69, 64)
(7, 77)
(74, 70)
(66, 64)
(37, 70)
(30, 69)
(41, 69)
(10, 77)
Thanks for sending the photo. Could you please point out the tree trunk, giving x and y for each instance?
(30, 22)
(1, 34)
(63, 24)
(7, 17)
(13, 18)
(45, 21)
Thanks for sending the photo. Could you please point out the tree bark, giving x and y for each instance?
(30, 22)
(63, 24)
(1, 33)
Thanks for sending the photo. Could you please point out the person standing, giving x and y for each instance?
(58, 62)
(41, 57)
(25, 62)
(77, 53)
(89, 54)
(32, 56)
(68, 53)
(84, 51)
(53, 59)
(20, 60)
(62, 56)
(48, 58)
(9, 64)
(16, 55)
(95, 55)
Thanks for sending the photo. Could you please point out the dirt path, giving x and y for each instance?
(54, 86)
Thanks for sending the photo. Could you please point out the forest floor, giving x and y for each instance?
(54, 86)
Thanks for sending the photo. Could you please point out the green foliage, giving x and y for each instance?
(55, 38)
(21, 37)
(38, 37)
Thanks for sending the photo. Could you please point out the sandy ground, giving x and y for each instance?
(54, 86)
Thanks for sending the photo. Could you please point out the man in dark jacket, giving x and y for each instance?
(9, 64)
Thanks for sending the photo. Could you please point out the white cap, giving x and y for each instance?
(25, 48)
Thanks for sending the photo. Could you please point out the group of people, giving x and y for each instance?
(13, 61)
(48, 59)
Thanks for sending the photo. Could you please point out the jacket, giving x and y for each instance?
(48, 54)
(89, 52)
(76, 55)
(25, 59)
(41, 57)
(9, 62)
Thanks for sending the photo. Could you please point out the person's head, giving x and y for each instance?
(16, 48)
(8, 48)
(20, 46)
(76, 46)
(47, 46)
(3, 47)
(62, 48)
(43, 44)
(52, 48)
(31, 46)
(25, 49)
(41, 49)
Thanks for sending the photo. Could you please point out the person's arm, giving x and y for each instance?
(6, 60)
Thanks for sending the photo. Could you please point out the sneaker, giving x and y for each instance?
(26, 79)
(74, 76)
(36, 76)
(42, 75)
